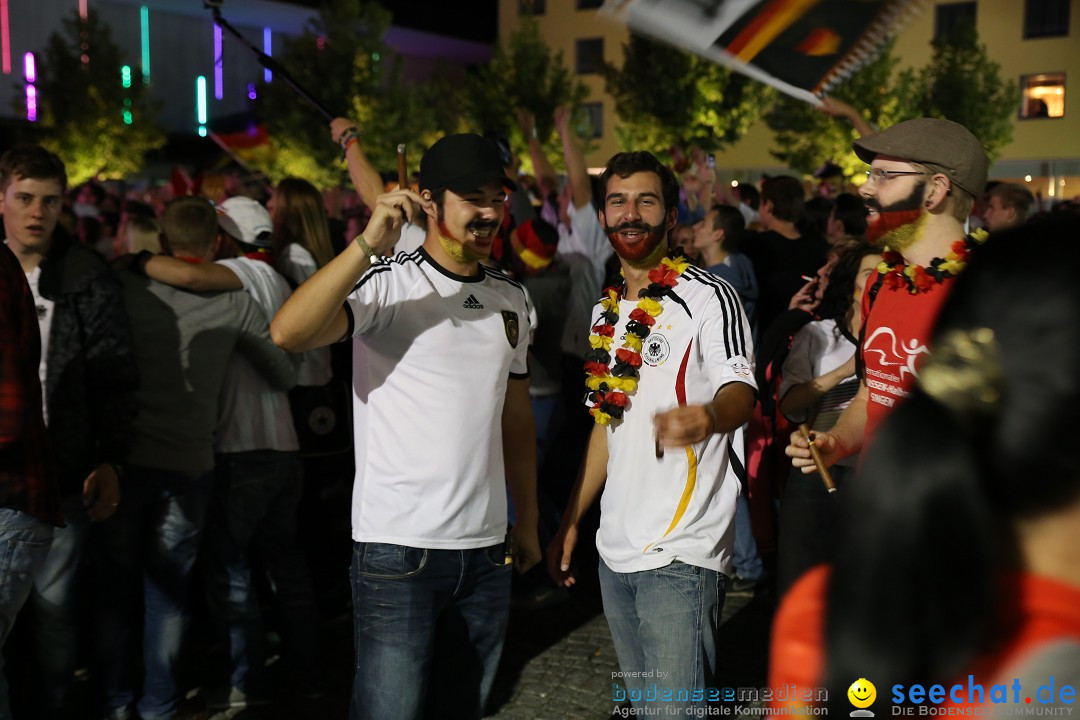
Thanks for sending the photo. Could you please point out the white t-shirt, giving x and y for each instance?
(655, 511)
(412, 237)
(431, 358)
(816, 349)
(584, 251)
(251, 414)
(297, 264)
(45, 308)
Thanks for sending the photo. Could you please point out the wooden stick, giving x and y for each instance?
(823, 471)
(402, 168)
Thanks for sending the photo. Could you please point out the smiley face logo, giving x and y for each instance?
(862, 693)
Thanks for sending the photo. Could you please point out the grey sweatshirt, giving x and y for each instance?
(182, 342)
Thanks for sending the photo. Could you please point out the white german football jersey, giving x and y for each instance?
(431, 359)
(681, 506)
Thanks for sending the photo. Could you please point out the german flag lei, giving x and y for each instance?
(610, 388)
(920, 279)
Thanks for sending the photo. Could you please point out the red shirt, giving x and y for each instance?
(27, 481)
(1039, 610)
(898, 328)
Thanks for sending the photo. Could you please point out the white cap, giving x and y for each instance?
(246, 220)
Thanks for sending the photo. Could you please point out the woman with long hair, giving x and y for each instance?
(960, 539)
(301, 230)
(817, 383)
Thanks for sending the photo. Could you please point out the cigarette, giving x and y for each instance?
(807, 278)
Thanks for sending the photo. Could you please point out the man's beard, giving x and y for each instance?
(455, 247)
(641, 253)
(899, 224)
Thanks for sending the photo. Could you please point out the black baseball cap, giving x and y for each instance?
(462, 163)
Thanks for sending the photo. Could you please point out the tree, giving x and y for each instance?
(85, 104)
(341, 58)
(807, 138)
(962, 84)
(670, 97)
(523, 75)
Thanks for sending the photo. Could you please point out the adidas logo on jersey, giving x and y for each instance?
(471, 303)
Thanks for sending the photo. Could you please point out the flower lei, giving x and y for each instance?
(917, 278)
(610, 388)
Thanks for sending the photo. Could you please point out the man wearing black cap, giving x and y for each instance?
(442, 418)
(923, 180)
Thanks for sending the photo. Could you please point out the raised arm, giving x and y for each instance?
(576, 170)
(314, 315)
(365, 178)
(178, 273)
(545, 173)
(838, 108)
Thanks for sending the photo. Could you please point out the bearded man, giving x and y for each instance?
(442, 422)
(924, 177)
(670, 385)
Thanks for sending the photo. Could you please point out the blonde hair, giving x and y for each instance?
(300, 217)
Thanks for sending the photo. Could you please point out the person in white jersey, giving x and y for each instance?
(443, 423)
(669, 385)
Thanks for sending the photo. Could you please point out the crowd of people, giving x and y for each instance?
(168, 373)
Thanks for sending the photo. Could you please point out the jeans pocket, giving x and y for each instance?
(496, 555)
(388, 561)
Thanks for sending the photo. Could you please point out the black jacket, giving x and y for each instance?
(91, 375)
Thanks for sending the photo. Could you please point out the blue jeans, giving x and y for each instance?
(254, 510)
(147, 548)
(52, 616)
(429, 628)
(745, 556)
(663, 621)
(24, 541)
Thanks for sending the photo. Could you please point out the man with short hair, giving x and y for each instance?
(88, 378)
(443, 423)
(924, 177)
(670, 385)
(183, 342)
(29, 502)
(782, 254)
(1007, 205)
(257, 480)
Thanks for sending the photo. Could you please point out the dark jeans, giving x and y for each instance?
(253, 510)
(429, 628)
(147, 548)
(809, 516)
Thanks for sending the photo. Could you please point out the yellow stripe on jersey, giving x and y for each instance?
(688, 491)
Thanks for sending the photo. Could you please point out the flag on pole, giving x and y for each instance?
(801, 47)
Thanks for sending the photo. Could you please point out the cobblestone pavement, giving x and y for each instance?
(558, 662)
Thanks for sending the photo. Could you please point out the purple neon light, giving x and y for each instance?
(5, 38)
(267, 48)
(251, 91)
(31, 103)
(29, 67)
(219, 70)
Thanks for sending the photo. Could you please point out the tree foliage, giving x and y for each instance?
(670, 97)
(83, 103)
(523, 75)
(962, 84)
(807, 138)
(959, 83)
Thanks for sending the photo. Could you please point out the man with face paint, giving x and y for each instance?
(670, 385)
(923, 180)
(442, 422)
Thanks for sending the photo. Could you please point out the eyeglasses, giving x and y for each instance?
(877, 176)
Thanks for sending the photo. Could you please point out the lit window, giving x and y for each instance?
(1043, 95)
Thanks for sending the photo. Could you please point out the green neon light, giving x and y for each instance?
(144, 25)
